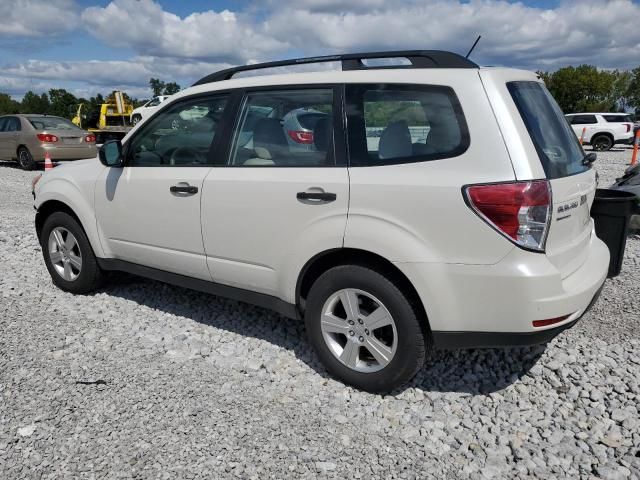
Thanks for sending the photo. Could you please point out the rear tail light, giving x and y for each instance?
(520, 211)
(90, 139)
(300, 136)
(47, 138)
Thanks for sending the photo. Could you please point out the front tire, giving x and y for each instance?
(68, 255)
(25, 159)
(364, 329)
(136, 119)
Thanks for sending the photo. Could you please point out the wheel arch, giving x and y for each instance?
(323, 261)
(48, 208)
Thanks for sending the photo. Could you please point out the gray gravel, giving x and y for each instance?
(144, 380)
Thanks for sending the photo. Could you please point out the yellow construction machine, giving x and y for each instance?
(110, 121)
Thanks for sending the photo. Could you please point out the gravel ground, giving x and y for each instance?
(145, 380)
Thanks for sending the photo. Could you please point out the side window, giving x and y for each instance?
(390, 124)
(583, 119)
(178, 136)
(154, 102)
(3, 123)
(285, 128)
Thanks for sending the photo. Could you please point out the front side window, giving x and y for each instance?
(181, 135)
(154, 102)
(285, 128)
(391, 124)
(555, 142)
(583, 119)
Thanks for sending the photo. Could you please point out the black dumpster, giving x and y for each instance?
(611, 211)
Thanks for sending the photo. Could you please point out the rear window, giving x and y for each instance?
(557, 145)
(617, 118)
(51, 123)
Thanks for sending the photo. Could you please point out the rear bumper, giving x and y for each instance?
(457, 340)
(64, 153)
(495, 305)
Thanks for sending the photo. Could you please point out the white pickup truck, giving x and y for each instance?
(602, 130)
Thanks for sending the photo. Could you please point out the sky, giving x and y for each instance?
(96, 46)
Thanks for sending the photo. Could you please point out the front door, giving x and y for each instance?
(281, 196)
(149, 211)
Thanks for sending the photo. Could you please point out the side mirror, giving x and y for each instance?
(110, 154)
(589, 158)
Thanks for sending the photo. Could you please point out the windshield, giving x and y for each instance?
(51, 123)
(558, 148)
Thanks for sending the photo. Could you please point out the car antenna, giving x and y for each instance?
(473, 46)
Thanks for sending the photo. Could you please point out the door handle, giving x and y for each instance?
(319, 196)
(189, 189)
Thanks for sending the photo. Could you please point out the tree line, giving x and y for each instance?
(61, 103)
(587, 89)
(584, 88)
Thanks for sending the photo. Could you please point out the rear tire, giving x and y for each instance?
(25, 159)
(68, 254)
(376, 344)
(602, 142)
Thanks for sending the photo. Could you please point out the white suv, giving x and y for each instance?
(475, 233)
(602, 130)
(147, 109)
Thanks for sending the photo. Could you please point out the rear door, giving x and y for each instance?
(267, 208)
(542, 145)
(9, 130)
(586, 123)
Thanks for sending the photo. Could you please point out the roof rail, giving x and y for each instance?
(354, 61)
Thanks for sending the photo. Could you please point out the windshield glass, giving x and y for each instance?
(558, 148)
(51, 123)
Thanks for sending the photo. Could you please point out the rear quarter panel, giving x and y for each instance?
(416, 212)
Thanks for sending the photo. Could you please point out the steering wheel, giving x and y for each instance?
(185, 156)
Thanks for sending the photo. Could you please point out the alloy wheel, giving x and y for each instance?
(65, 254)
(359, 330)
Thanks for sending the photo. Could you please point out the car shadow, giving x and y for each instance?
(10, 164)
(475, 372)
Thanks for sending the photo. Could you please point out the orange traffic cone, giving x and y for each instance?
(48, 164)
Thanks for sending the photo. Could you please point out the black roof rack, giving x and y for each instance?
(353, 61)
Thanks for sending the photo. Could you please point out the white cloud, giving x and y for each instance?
(145, 27)
(513, 34)
(37, 18)
(183, 49)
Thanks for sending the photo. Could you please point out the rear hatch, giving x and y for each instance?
(572, 179)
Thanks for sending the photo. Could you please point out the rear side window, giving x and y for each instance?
(285, 128)
(583, 119)
(617, 118)
(12, 125)
(390, 124)
(557, 145)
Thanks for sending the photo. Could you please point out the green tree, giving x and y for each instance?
(8, 104)
(633, 91)
(63, 103)
(583, 88)
(157, 86)
(34, 103)
(171, 88)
